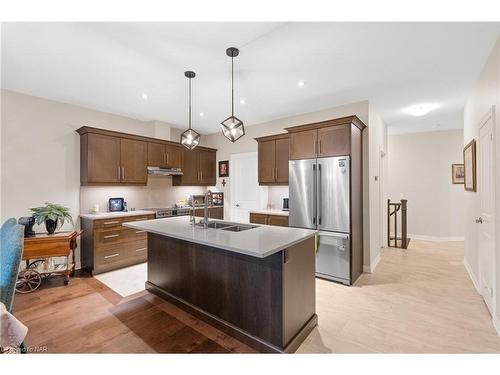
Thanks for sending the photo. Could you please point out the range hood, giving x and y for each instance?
(157, 171)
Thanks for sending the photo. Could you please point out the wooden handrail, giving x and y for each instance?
(392, 210)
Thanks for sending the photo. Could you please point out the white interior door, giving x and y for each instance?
(245, 190)
(486, 219)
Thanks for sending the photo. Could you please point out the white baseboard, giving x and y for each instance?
(373, 265)
(496, 324)
(471, 275)
(434, 238)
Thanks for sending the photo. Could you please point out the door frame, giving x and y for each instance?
(489, 115)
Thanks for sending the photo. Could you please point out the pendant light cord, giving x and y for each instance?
(232, 86)
(189, 103)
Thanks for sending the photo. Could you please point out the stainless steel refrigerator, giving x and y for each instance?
(320, 199)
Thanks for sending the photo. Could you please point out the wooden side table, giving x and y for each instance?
(39, 252)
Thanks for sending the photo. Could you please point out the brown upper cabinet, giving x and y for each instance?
(113, 158)
(322, 139)
(198, 167)
(273, 159)
(164, 155)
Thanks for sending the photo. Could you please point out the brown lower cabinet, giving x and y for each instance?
(108, 245)
(265, 219)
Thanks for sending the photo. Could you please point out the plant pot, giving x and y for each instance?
(51, 226)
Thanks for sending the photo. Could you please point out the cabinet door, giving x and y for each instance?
(134, 160)
(334, 141)
(173, 156)
(207, 167)
(102, 161)
(189, 168)
(282, 157)
(303, 144)
(258, 218)
(217, 213)
(267, 161)
(156, 155)
(278, 220)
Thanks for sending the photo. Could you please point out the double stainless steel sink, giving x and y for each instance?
(231, 227)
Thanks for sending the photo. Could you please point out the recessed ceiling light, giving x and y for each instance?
(144, 96)
(301, 83)
(242, 101)
(202, 114)
(421, 109)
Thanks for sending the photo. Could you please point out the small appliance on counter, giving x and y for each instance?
(28, 223)
(286, 205)
(117, 205)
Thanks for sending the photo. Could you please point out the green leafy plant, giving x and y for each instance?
(54, 212)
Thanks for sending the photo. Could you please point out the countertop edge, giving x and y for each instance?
(109, 215)
(136, 225)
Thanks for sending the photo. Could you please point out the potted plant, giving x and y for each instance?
(53, 215)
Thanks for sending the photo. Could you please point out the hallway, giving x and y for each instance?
(419, 300)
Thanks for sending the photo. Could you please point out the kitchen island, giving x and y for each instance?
(257, 285)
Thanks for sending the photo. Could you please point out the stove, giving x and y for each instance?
(170, 211)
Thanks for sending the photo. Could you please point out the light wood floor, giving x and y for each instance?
(419, 300)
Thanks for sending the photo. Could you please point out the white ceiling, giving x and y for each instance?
(108, 66)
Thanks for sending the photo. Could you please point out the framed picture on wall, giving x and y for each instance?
(224, 168)
(470, 166)
(457, 174)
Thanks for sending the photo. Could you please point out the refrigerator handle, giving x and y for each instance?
(318, 195)
(314, 195)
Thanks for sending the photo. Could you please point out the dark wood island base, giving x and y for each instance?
(267, 303)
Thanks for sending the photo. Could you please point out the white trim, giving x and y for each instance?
(471, 275)
(496, 324)
(435, 238)
(373, 265)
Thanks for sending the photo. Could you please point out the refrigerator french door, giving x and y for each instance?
(320, 199)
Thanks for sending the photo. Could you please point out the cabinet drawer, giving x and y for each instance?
(116, 223)
(120, 255)
(103, 238)
(277, 220)
(258, 218)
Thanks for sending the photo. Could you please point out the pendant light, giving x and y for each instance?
(190, 138)
(232, 127)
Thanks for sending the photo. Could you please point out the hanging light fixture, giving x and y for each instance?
(190, 138)
(232, 127)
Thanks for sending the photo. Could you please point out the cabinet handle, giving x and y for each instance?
(123, 173)
(167, 158)
(164, 158)
(141, 218)
(201, 175)
(111, 256)
(139, 231)
(141, 249)
(111, 236)
(118, 173)
(320, 146)
(111, 222)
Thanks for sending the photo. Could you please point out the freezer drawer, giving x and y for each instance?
(333, 257)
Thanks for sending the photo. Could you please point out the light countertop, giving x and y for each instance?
(110, 215)
(270, 211)
(259, 242)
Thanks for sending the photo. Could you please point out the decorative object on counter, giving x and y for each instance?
(28, 223)
(117, 205)
(190, 138)
(457, 174)
(224, 168)
(232, 127)
(470, 166)
(95, 209)
(53, 215)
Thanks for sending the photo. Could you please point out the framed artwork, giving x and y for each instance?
(457, 174)
(470, 166)
(224, 168)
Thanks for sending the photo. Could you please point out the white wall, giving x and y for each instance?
(419, 169)
(485, 94)
(373, 187)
